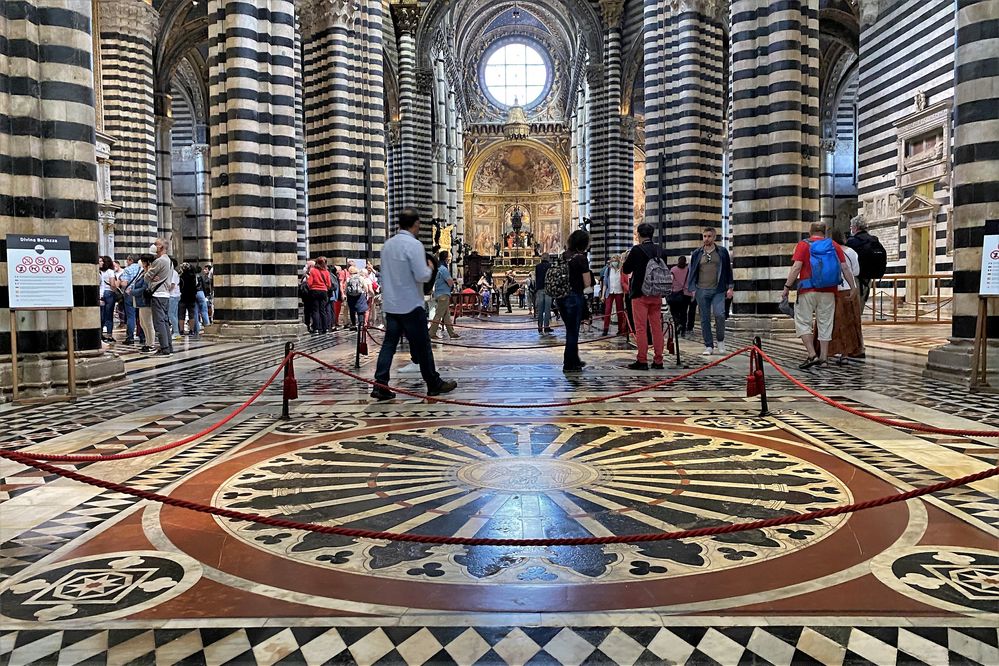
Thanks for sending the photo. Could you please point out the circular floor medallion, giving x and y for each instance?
(957, 579)
(98, 586)
(530, 480)
(315, 425)
(527, 474)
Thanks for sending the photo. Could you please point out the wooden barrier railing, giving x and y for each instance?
(875, 301)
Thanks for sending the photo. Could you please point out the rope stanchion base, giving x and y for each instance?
(474, 541)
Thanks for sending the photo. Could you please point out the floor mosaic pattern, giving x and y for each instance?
(91, 576)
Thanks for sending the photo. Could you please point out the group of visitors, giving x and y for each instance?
(157, 300)
(325, 287)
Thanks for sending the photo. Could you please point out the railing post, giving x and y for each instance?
(918, 296)
(764, 407)
(290, 385)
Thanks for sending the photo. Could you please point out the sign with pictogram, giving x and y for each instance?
(990, 267)
(39, 272)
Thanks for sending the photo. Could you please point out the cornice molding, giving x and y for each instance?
(128, 17)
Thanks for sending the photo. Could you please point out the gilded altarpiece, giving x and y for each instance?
(508, 174)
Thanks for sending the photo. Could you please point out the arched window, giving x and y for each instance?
(516, 72)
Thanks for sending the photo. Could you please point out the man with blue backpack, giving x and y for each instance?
(818, 265)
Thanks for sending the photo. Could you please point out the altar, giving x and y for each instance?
(517, 259)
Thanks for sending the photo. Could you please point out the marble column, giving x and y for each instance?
(423, 165)
(775, 146)
(253, 167)
(684, 119)
(827, 204)
(164, 174)
(301, 169)
(344, 127)
(439, 143)
(201, 154)
(127, 38)
(976, 184)
(615, 232)
(51, 91)
(598, 150)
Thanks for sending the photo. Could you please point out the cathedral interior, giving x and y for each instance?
(244, 501)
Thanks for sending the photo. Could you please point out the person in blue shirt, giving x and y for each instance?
(405, 269)
(132, 270)
(442, 294)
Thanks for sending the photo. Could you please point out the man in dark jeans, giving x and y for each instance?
(542, 301)
(405, 268)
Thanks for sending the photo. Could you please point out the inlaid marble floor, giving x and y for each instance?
(91, 576)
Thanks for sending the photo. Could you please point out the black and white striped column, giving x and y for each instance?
(344, 127)
(48, 178)
(253, 165)
(301, 171)
(774, 143)
(599, 153)
(423, 166)
(127, 35)
(684, 107)
(164, 175)
(976, 156)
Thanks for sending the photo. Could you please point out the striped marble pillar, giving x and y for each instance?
(127, 36)
(684, 107)
(201, 152)
(301, 171)
(48, 182)
(827, 203)
(440, 142)
(976, 182)
(406, 17)
(598, 150)
(253, 174)
(164, 174)
(344, 127)
(423, 166)
(774, 143)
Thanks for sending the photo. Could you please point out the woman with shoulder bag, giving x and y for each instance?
(138, 291)
(109, 284)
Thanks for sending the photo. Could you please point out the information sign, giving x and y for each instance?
(39, 272)
(990, 267)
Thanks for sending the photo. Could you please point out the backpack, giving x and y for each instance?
(825, 263)
(873, 258)
(658, 280)
(557, 279)
(355, 286)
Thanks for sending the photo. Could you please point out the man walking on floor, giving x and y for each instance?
(442, 294)
(711, 281)
(820, 265)
(542, 301)
(646, 308)
(405, 269)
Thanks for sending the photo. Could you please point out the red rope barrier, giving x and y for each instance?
(919, 427)
(494, 347)
(52, 457)
(544, 405)
(473, 541)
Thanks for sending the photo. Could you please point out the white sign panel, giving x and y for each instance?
(39, 272)
(990, 267)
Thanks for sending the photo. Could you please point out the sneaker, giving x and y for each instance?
(708, 351)
(409, 369)
(658, 366)
(455, 337)
(446, 386)
(638, 365)
(550, 331)
(721, 347)
(128, 342)
(381, 394)
(164, 352)
(146, 349)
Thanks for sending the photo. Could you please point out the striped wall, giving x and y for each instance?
(422, 167)
(976, 156)
(127, 33)
(774, 143)
(48, 167)
(909, 48)
(344, 128)
(684, 124)
(253, 166)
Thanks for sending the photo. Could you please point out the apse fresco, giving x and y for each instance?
(517, 169)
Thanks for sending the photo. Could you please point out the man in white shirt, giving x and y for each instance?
(404, 270)
(158, 278)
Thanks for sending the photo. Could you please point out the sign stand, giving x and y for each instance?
(40, 279)
(980, 351)
(70, 358)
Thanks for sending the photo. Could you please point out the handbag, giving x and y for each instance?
(149, 291)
